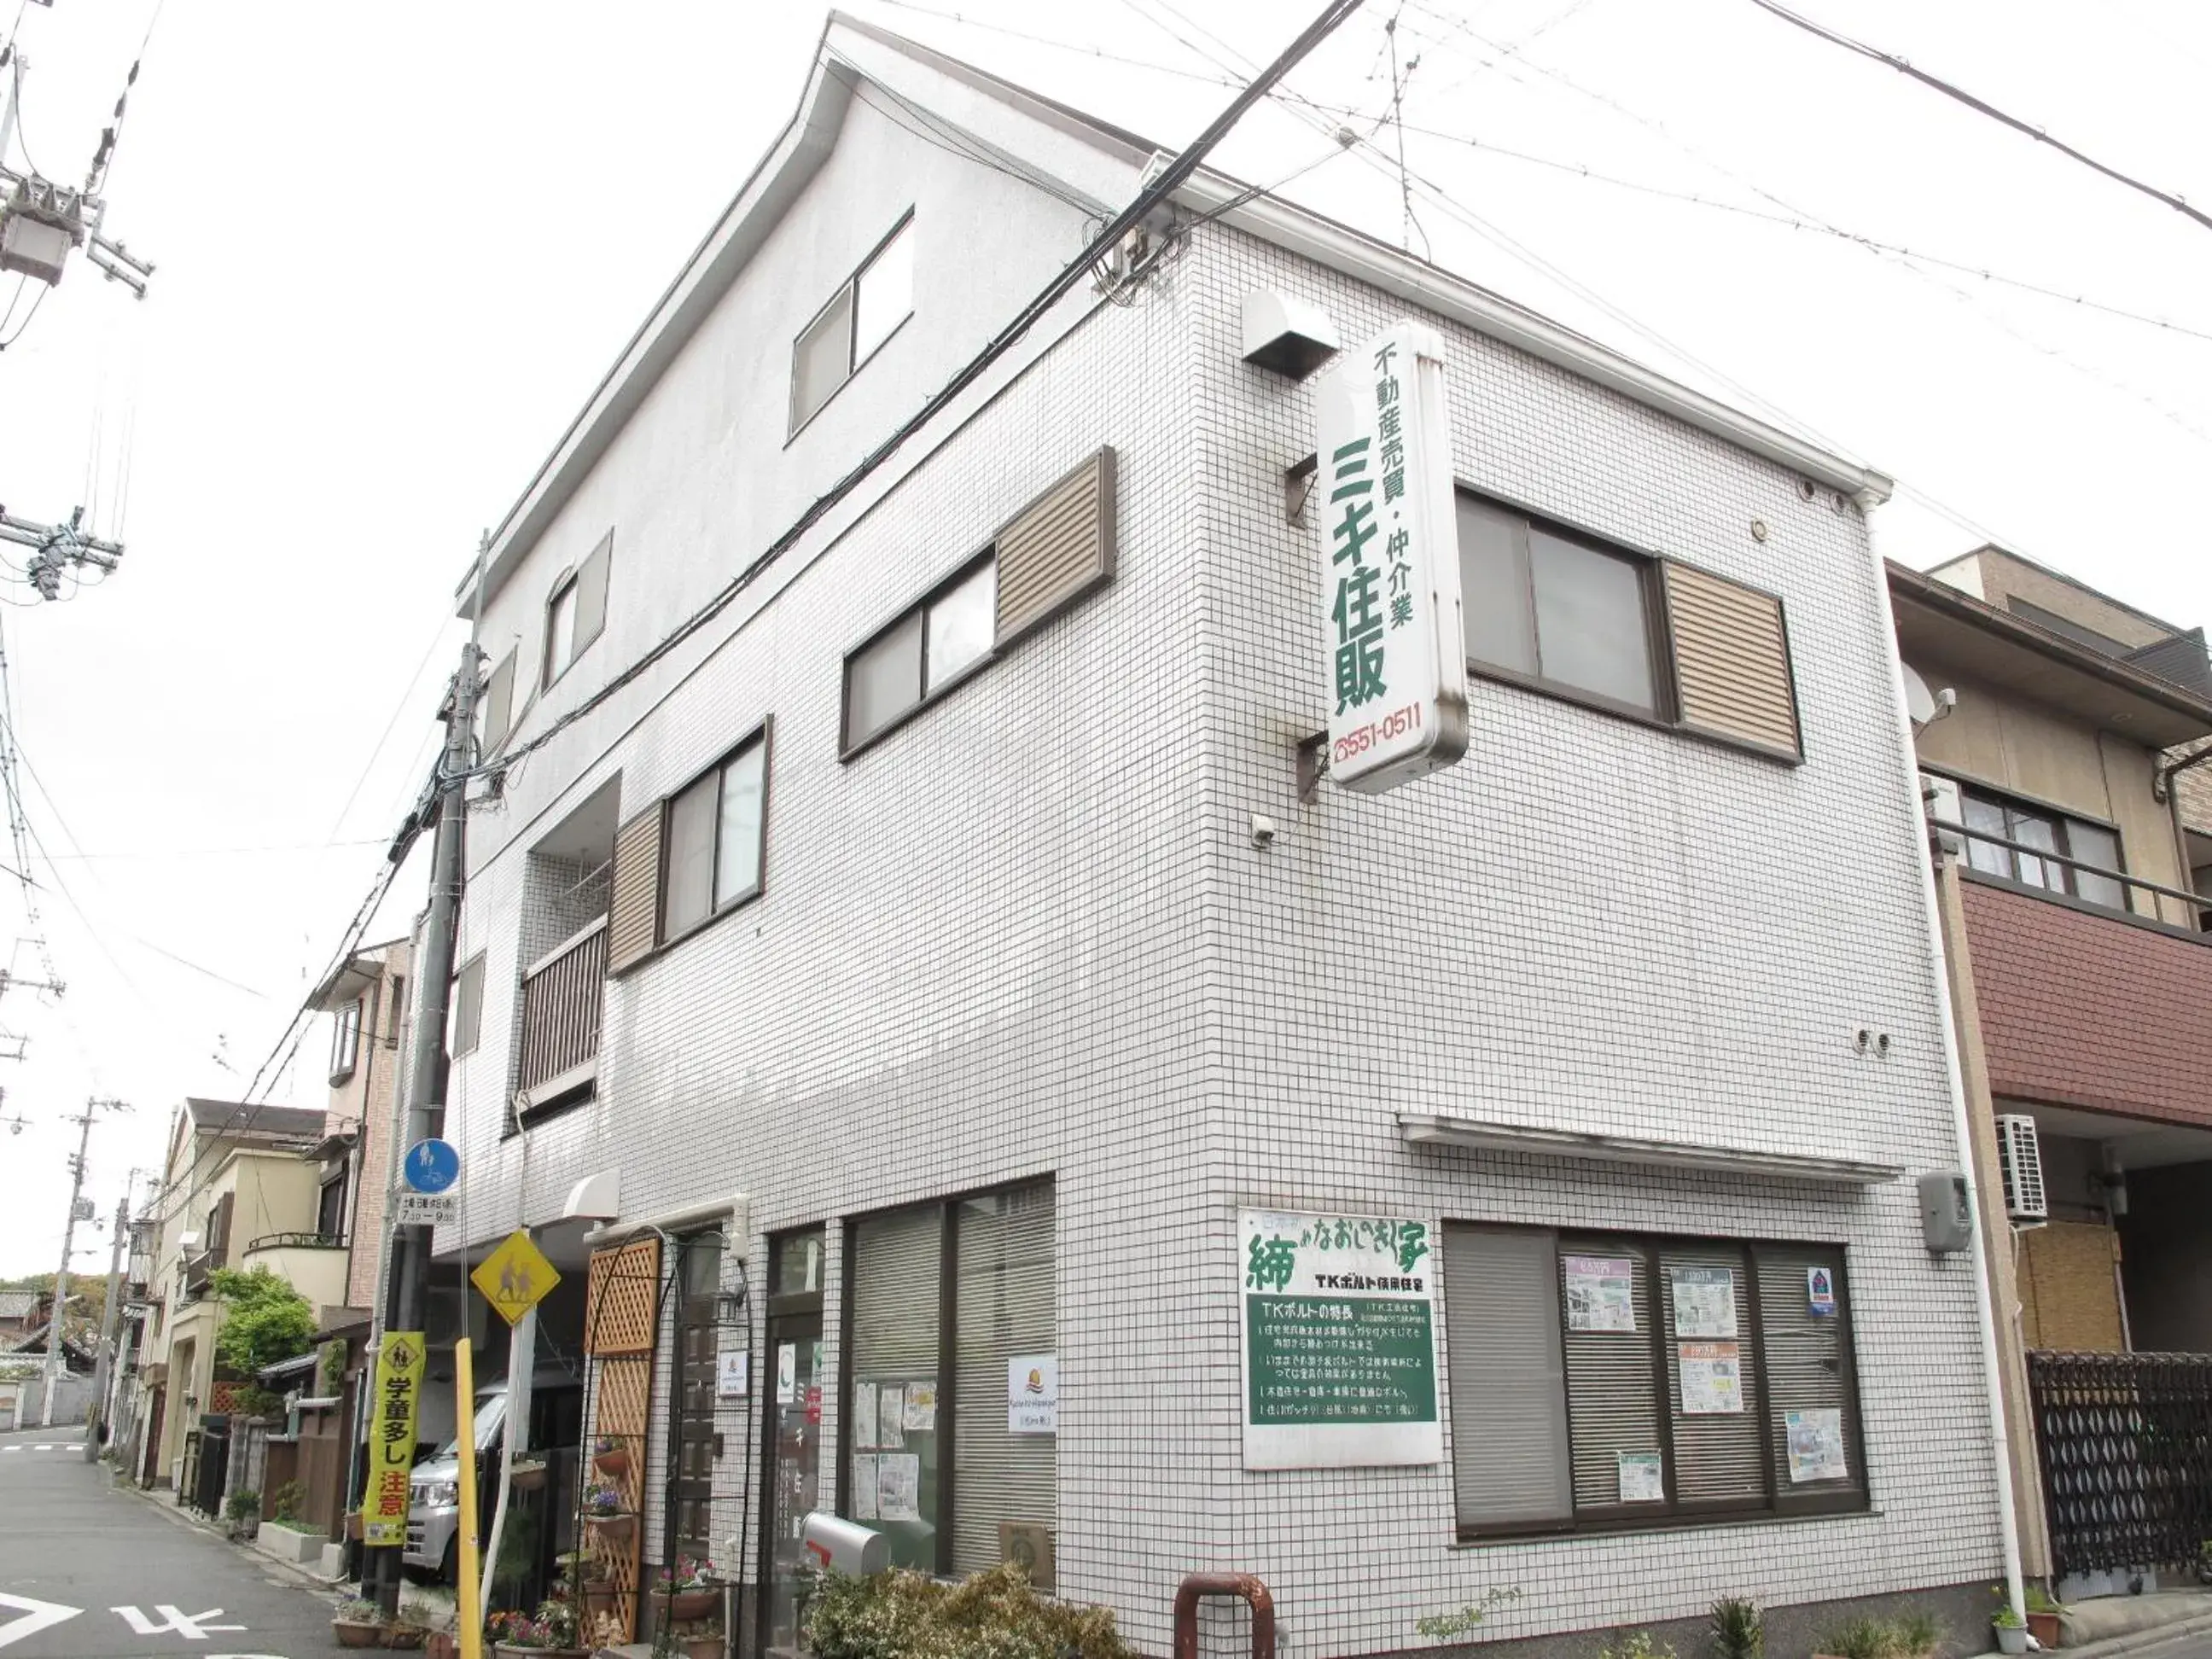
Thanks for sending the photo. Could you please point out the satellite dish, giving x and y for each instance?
(1919, 701)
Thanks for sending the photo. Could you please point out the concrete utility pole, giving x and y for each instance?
(411, 1263)
(108, 1319)
(77, 1212)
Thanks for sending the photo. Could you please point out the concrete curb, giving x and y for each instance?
(164, 1504)
(2147, 1638)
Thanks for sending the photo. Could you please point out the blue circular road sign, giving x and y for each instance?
(431, 1166)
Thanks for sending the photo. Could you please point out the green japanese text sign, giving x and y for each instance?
(1340, 1341)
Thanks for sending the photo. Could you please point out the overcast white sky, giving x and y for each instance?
(396, 251)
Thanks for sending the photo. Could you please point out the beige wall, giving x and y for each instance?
(1996, 737)
(366, 1100)
(1993, 577)
(2069, 1295)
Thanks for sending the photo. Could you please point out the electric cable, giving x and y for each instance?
(1152, 196)
(37, 299)
(1060, 45)
(1982, 107)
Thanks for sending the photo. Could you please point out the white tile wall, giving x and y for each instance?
(1027, 933)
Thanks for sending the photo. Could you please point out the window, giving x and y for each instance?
(953, 1338)
(330, 1207)
(862, 314)
(2012, 835)
(345, 1041)
(1562, 612)
(576, 614)
(716, 834)
(921, 652)
(466, 1019)
(495, 713)
(1554, 609)
(1602, 1380)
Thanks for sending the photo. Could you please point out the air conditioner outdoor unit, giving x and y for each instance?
(2020, 1159)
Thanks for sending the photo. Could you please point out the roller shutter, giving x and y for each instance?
(1004, 1297)
(1509, 1416)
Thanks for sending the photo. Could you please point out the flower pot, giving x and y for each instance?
(2011, 1639)
(613, 1463)
(405, 1636)
(354, 1633)
(443, 1644)
(598, 1597)
(526, 1477)
(612, 1529)
(701, 1603)
(353, 1526)
(2045, 1628)
(508, 1650)
(702, 1647)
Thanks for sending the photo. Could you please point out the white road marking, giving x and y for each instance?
(193, 1627)
(37, 1616)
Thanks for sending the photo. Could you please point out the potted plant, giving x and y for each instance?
(551, 1635)
(526, 1473)
(687, 1591)
(603, 1512)
(242, 1514)
(610, 1456)
(2042, 1616)
(399, 1635)
(2011, 1631)
(357, 1623)
(696, 1638)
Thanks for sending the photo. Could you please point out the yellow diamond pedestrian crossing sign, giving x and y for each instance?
(514, 1277)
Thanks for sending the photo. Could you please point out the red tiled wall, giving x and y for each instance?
(2083, 1010)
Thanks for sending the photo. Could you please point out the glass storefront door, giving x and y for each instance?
(793, 1409)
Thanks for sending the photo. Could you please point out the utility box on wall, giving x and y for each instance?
(1947, 1215)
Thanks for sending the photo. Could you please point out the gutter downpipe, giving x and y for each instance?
(1961, 1128)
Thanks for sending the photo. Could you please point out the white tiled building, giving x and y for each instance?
(1024, 938)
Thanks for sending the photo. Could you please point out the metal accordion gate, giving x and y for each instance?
(2126, 1447)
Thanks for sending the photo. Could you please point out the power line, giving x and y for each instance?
(1982, 107)
(1149, 199)
(1060, 45)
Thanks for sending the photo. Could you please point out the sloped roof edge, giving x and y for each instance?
(804, 144)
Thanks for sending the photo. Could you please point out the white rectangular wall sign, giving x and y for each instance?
(1389, 562)
(1340, 1342)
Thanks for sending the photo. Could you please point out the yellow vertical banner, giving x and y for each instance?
(468, 1615)
(391, 1439)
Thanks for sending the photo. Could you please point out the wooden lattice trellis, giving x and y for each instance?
(621, 1299)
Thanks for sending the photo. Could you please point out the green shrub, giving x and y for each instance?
(1448, 1627)
(284, 1503)
(242, 1506)
(1637, 1644)
(989, 1615)
(1738, 1630)
(1910, 1636)
(264, 1320)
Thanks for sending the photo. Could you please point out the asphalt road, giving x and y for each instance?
(79, 1558)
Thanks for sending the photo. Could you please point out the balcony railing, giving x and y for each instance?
(561, 998)
(2078, 878)
(297, 1242)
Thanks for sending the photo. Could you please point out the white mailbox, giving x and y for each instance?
(842, 1545)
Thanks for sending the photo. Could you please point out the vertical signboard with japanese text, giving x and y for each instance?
(1397, 662)
(391, 1439)
(1340, 1342)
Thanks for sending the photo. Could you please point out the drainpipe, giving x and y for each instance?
(1961, 1128)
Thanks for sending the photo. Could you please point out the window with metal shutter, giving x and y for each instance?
(1509, 1410)
(1732, 677)
(1720, 1455)
(633, 907)
(1807, 1359)
(898, 1289)
(1004, 1312)
(1611, 1383)
(498, 708)
(1058, 549)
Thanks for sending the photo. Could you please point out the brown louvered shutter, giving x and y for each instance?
(1058, 549)
(634, 911)
(1732, 676)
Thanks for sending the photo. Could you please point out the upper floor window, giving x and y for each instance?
(715, 829)
(2015, 837)
(1562, 612)
(496, 708)
(922, 652)
(575, 614)
(345, 1041)
(330, 1207)
(864, 313)
(466, 1021)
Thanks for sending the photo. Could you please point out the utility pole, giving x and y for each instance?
(409, 1270)
(78, 1211)
(97, 1416)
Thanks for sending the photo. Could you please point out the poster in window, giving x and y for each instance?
(864, 1417)
(863, 1486)
(898, 1486)
(1705, 1300)
(1712, 1377)
(1816, 1444)
(1643, 1478)
(1820, 1292)
(1033, 1393)
(1339, 1360)
(921, 1406)
(1600, 1292)
(890, 1416)
(786, 1373)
